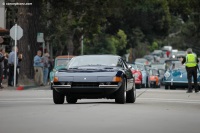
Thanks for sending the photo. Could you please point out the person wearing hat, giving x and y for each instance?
(191, 64)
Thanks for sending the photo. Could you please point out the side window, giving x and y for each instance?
(120, 63)
(125, 65)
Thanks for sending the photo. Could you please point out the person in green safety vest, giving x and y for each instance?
(191, 63)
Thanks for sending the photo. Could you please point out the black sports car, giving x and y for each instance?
(94, 76)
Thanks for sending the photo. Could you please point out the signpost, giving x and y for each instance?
(40, 39)
(16, 32)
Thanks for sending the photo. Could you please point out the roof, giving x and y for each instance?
(4, 31)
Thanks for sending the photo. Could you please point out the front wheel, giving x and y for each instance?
(58, 98)
(120, 96)
(138, 86)
(166, 87)
(131, 95)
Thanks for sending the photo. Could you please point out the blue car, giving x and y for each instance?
(176, 77)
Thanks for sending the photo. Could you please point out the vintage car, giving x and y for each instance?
(94, 76)
(137, 74)
(60, 62)
(145, 74)
(176, 76)
(154, 78)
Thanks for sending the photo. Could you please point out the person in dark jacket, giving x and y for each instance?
(2, 57)
(191, 63)
(5, 71)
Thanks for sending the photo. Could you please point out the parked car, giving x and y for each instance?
(142, 60)
(180, 54)
(158, 65)
(59, 62)
(137, 74)
(157, 53)
(94, 76)
(145, 74)
(176, 77)
(169, 62)
(154, 79)
(150, 58)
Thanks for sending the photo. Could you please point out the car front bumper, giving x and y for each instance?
(95, 91)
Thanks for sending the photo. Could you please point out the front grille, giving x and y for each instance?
(85, 84)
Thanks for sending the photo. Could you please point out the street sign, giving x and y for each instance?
(19, 32)
(40, 37)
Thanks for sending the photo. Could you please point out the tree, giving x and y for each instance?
(27, 45)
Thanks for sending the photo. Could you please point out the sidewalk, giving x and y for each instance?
(24, 85)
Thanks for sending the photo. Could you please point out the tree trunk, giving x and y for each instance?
(27, 45)
(70, 45)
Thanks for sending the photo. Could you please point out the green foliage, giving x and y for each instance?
(115, 26)
(107, 44)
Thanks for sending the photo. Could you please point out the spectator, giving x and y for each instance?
(168, 53)
(11, 61)
(38, 68)
(45, 59)
(2, 57)
(5, 71)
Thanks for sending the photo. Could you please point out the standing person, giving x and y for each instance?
(19, 62)
(11, 61)
(5, 71)
(45, 59)
(2, 57)
(167, 53)
(38, 68)
(50, 66)
(191, 63)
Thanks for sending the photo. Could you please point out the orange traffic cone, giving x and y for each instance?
(20, 88)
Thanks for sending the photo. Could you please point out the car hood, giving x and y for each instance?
(90, 74)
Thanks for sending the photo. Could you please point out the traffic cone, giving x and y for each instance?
(20, 88)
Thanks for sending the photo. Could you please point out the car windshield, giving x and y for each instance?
(159, 66)
(140, 67)
(153, 72)
(93, 60)
(61, 62)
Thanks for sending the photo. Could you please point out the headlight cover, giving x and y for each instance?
(167, 75)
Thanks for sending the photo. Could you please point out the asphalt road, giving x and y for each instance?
(155, 111)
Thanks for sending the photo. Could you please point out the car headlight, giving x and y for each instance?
(167, 75)
(55, 79)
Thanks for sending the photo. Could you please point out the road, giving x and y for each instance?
(155, 111)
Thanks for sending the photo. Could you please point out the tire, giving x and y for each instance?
(71, 99)
(144, 85)
(138, 86)
(172, 87)
(120, 96)
(131, 95)
(166, 87)
(58, 98)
